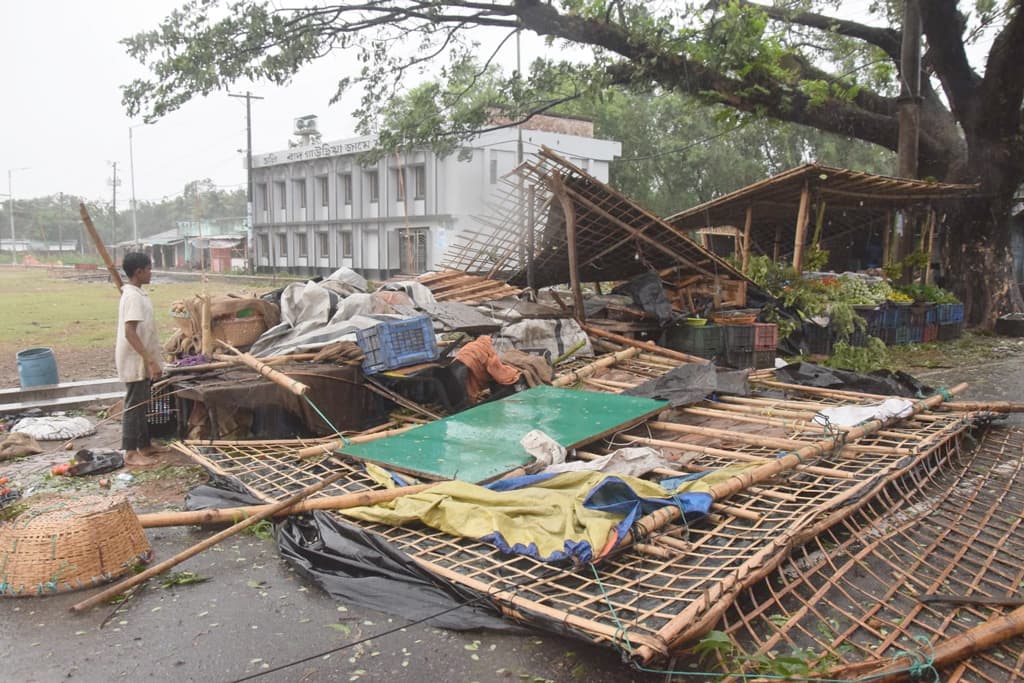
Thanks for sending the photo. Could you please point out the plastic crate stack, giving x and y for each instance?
(751, 346)
(874, 323)
(706, 341)
(397, 343)
(950, 320)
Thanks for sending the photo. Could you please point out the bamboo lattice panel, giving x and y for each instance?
(951, 527)
(615, 237)
(653, 598)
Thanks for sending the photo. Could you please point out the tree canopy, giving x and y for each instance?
(801, 61)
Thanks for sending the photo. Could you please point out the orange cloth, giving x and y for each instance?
(484, 366)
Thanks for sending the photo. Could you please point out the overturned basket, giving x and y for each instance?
(68, 545)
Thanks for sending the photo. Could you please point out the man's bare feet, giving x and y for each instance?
(138, 458)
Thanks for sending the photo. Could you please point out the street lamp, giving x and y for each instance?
(10, 198)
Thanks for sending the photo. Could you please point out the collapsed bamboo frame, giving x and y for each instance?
(672, 566)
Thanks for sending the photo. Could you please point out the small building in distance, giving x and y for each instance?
(317, 207)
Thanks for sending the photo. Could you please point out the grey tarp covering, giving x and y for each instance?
(555, 337)
(359, 567)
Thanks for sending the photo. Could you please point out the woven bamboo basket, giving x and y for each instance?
(239, 331)
(63, 546)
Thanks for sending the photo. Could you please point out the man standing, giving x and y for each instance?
(137, 356)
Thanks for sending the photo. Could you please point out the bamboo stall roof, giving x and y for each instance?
(450, 285)
(656, 596)
(853, 594)
(616, 238)
(853, 199)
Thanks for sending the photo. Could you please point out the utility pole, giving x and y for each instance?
(249, 210)
(10, 197)
(114, 182)
(131, 171)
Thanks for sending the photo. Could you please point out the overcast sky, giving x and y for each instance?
(61, 113)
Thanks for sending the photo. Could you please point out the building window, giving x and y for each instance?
(300, 194)
(264, 244)
(419, 180)
(494, 171)
(323, 249)
(399, 181)
(346, 244)
(346, 188)
(373, 185)
(323, 190)
(282, 245)
(412, 255)
(282, 201)
(261, 197)
(301, 245)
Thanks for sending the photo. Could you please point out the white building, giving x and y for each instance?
(316, 208)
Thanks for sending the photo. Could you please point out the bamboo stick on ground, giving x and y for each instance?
(271, 510)
(956, 649)
(224, 515)
(591, 368)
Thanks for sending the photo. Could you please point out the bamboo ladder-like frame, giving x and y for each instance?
(633, 600)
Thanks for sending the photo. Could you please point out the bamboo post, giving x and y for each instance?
(748, 223)
(931, 246)
(207, 326)
(111, 268)
(887, 239)
(646, 346)
(570, 242)
(271, 510)
(279, 378)
(801, 228)
(819, 223)
(221, 516)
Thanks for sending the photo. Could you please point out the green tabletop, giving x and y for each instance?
(482, 443)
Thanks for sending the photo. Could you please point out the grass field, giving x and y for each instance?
(51, 308)
(40, 309)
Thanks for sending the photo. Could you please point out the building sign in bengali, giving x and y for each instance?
(312, 152)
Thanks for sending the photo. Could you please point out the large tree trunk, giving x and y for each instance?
(978, 264)
(976, 249)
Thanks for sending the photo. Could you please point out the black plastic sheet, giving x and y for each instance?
(692, 383)
(359, 567)
(878, 382)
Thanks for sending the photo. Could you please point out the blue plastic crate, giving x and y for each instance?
(950, 313)
(397, 343)
(924, 314)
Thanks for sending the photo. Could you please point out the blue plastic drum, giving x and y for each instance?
(36, 367)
